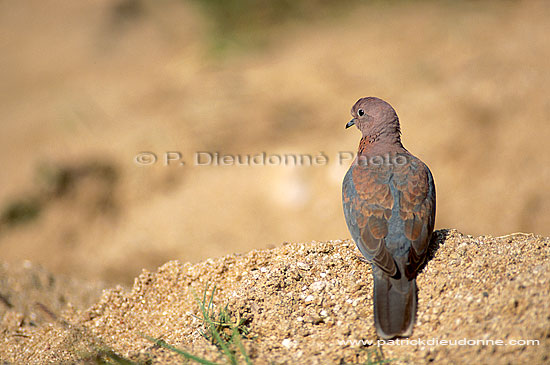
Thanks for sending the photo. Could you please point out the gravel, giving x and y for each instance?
(305, 302)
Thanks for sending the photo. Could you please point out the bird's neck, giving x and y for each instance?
(379, 142)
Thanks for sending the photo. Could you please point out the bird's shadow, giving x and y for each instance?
(438, 238)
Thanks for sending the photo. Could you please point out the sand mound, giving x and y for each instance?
(301, 302)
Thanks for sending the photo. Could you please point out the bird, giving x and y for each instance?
(388, 197)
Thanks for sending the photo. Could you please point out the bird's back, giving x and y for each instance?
(393, 201)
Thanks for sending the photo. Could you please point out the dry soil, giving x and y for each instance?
(301, 302)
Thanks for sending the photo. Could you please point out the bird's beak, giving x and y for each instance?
(350, 123)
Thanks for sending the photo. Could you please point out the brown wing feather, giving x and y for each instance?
(417, 210)
(372, 204)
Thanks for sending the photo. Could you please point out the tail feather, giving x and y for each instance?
(394, 306)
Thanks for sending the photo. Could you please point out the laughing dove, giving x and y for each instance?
(389, 205)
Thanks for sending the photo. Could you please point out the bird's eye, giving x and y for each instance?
(361, 112)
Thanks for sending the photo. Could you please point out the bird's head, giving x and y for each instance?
(375, 117)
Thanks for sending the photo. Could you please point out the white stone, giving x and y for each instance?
(288, 343)
(318, 286)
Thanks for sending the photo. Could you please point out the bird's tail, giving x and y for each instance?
(394, 306)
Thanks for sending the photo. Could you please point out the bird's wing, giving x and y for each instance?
(416, 188)
(368, 203)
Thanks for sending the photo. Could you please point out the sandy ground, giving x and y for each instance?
(300, 301)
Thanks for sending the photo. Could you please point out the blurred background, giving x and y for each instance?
(85, 86)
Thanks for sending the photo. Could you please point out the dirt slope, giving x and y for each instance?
(302, 299)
